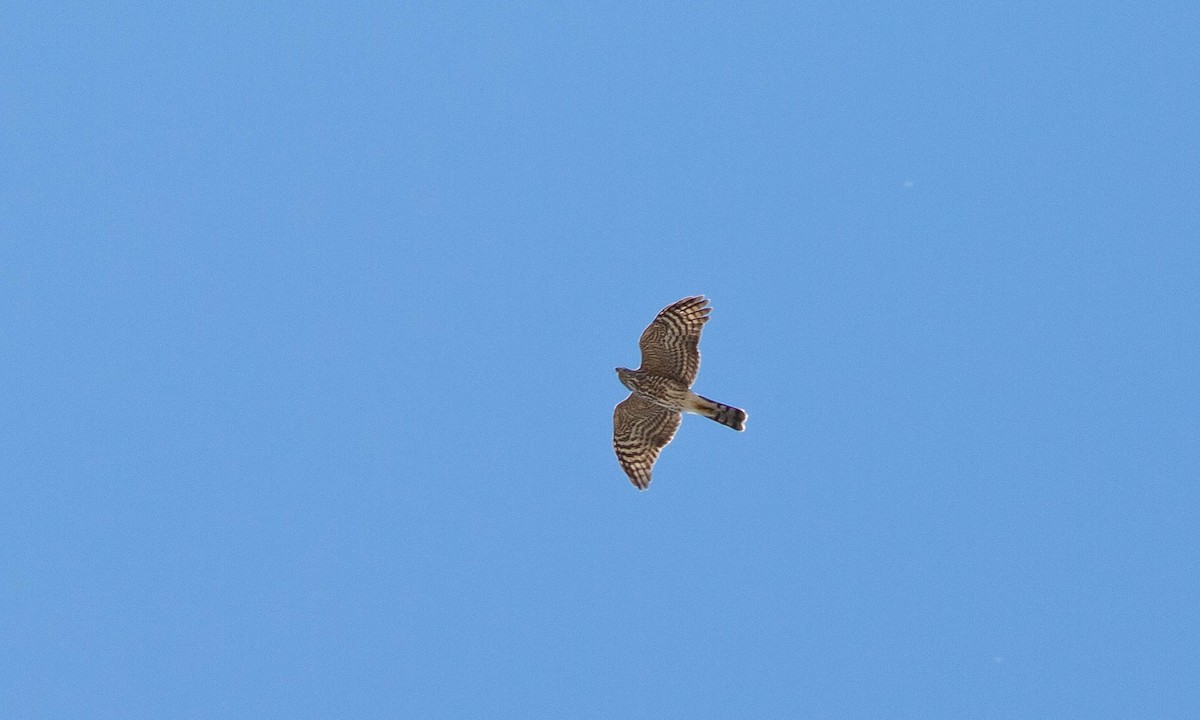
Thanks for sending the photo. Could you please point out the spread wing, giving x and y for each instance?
(640, 430)
(671, 344)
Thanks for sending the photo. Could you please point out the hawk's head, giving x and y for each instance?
(626, 375)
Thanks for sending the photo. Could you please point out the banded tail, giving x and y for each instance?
(725, 414)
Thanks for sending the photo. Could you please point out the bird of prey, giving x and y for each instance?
(645, 422)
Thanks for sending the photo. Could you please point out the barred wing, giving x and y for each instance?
(640, 430)
(671, 344)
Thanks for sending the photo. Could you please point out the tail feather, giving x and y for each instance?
(724, 414)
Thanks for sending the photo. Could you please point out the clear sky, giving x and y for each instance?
(309, 314)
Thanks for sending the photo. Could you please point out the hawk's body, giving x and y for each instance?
(646, 421)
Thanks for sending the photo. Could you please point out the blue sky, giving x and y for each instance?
(310, 315)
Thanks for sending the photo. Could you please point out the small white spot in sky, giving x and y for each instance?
(908, 183)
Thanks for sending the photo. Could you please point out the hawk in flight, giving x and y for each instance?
(660, 389)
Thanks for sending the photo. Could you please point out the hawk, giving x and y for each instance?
(645, 422)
